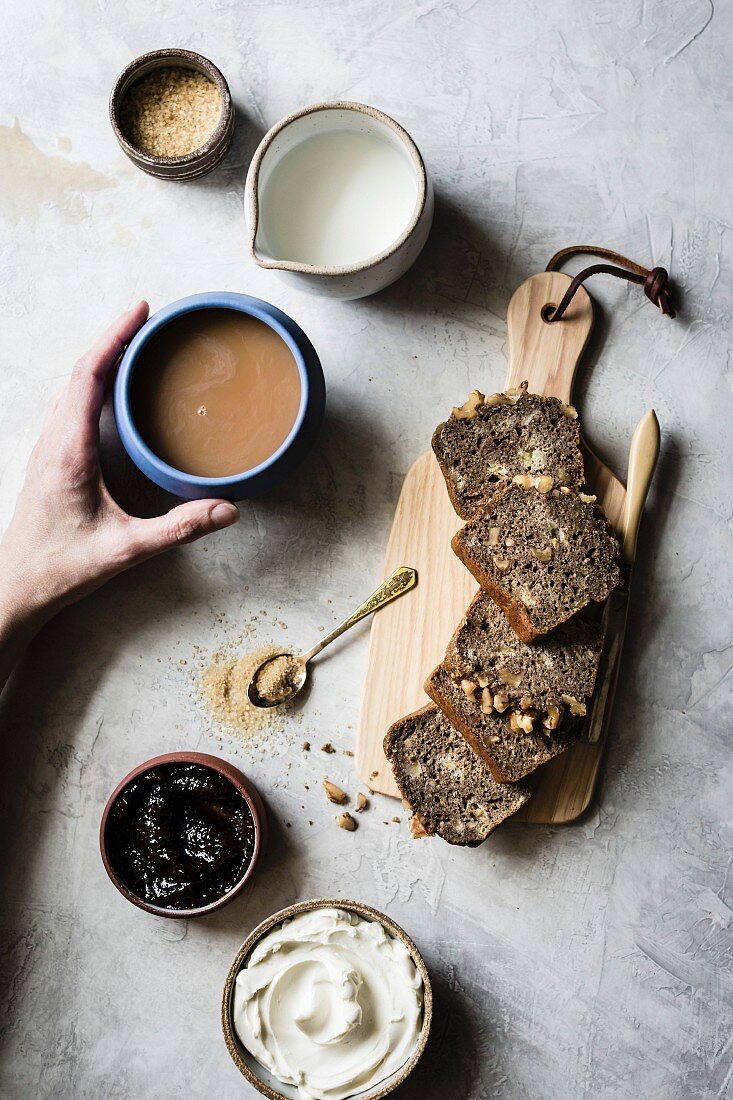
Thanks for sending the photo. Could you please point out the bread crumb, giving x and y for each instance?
(328, 747)
(306, 746)
(334, 793)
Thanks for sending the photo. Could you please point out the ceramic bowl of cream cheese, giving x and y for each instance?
(328, 999)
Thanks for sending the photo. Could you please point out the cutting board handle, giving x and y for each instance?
(547, 355)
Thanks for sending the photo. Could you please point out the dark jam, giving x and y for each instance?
(180, 836)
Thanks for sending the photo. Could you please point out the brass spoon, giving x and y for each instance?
(401, 581)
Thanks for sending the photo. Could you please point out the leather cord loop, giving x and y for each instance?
(655, 283)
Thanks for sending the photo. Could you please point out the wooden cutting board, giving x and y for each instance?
(409, 637)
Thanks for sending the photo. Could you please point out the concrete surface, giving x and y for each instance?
(578, 962)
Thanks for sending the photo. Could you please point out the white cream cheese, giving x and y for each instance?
(329, 1002)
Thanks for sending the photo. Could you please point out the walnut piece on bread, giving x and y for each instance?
(469, 409)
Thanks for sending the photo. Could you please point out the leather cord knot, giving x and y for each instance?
(656, 288)
(655, 283)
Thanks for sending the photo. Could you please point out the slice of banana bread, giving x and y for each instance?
(541, 555)
(508, 750)
(495, 672)
(515, 704)
(449, 789)
(489, 439)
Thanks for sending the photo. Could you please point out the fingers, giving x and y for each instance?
(186, 523)
(107, 350)
(86, 389)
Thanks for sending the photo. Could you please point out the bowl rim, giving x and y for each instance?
(363, 910)
(252, 190)
(225, 299)
(167, 57)
(245, 787)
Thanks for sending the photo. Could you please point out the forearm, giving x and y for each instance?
(18, 626)
(67, 535)
(25, 594)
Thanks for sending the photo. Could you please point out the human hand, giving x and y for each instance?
(68, 536)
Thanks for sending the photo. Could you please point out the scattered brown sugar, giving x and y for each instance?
(170, 112)
(278, 679)
(224, 685)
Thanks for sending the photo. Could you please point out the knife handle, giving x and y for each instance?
(643, 455)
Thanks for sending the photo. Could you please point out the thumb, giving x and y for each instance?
(181, 525)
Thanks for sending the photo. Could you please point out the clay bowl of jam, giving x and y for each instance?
(182, 834)
(219, 395)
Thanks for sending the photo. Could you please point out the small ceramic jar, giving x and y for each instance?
(198, 162)
(287, 456)
(368, 274)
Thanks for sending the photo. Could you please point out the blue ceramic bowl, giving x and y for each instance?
(260, 478)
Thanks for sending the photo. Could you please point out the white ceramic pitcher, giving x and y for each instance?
(379, 166)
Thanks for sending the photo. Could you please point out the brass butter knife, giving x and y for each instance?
(643, 454)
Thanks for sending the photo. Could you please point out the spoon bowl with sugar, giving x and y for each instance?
(283, 675)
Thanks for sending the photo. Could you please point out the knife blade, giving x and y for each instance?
(643, 454)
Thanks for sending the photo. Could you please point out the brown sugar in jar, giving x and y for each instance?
(171, 112)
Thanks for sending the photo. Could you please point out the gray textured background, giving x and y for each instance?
(577, 962)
